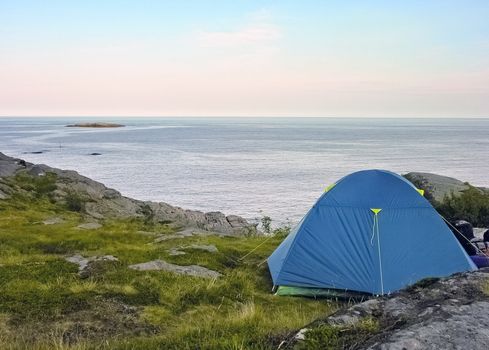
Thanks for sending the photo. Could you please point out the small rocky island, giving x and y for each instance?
(95, 125)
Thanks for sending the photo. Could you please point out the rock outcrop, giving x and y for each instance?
(449, 313)
(100, 202)
(439, 186)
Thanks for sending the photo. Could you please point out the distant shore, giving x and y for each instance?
(95, 125)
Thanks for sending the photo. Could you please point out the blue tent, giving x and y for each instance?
(371, 232)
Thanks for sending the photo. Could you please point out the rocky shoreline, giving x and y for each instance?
(102, 202)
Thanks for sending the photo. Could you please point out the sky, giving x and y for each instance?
(244, 58)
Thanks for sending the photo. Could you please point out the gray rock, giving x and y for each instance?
(438, 185)
(101, 202)
(9, 166)
(38, 170)
(53, 221)
(83, 263)
(479, 232)
(175, 252)
(89, 226)
(191, 270)
(208, 248)
(111, 194)
(448, 313)
(178, 251)
(461, 329)
(237, 221)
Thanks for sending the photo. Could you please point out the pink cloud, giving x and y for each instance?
(251, 34)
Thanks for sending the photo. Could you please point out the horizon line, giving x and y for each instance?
(242, 116)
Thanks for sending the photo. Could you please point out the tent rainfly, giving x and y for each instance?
(372, 232)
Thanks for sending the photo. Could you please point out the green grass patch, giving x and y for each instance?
(45, 303)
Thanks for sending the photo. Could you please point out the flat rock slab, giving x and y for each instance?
(178, 251)
(83, 262)
(162, 238)
(190, 270)
(208, 248)
(89, 226)
(175, 252)
(53, 221)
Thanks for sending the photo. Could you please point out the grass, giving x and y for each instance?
(329, 337)
(46, 304)
(485, 288)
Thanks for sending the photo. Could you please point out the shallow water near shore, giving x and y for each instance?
(248, 166)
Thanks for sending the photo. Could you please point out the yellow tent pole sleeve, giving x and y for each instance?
(329, 187)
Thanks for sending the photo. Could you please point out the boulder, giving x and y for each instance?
(438, 185)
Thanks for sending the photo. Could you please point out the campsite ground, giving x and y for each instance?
(66, 280)
(45, 303)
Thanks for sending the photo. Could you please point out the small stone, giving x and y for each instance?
(89, 226)
(52, 221)
(175, 252)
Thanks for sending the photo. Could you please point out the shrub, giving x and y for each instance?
(282, 231)
(148, 214)
(471, 205)
(266, 224)
(41, 186)
(74, 202)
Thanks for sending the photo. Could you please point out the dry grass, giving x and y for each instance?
(45, 304)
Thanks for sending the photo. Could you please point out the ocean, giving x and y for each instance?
(251, 167)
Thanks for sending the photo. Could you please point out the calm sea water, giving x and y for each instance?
(249, 166)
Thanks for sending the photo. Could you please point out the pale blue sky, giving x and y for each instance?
(258, 58)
